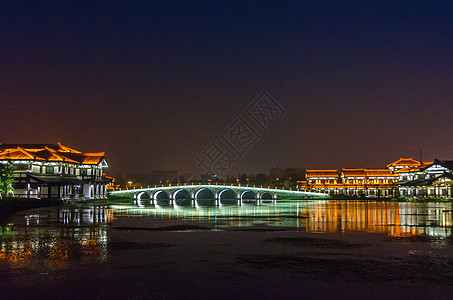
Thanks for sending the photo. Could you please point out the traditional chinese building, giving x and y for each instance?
(434, 180)
(404, 177)
(351, 182)
(321, 181)
(380, 183)
(55, 171)
(322, 176)
(404, 163)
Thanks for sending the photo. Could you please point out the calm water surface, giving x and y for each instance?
(60, 236)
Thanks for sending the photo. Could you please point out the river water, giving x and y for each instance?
(70, 240)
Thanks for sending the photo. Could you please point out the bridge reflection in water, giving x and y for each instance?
(322, 216)
(57, 237)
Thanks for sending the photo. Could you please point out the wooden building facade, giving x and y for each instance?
(55, 171)
(351, 182)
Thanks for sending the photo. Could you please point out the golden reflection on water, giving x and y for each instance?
(55, 239)
(391, 218)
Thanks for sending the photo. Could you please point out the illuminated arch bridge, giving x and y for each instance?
(213, 194)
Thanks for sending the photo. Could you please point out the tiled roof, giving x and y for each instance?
(404, 162)
(52, 155)
(426, 164)
(18, 154)
(38, 147)
(322, 173)
(48, 152)
(444, 163)
(406, 170)
(412, 170)
(87, 158)
(353, 172)
(379, 173)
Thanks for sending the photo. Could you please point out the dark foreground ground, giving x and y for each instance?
(173, 261)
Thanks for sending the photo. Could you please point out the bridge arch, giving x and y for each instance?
(205, 197)
(266, 196)
(161, 198)
(143, 196)
(182, 197)
(143, 199)
(161, 195)
(248, 196)
(228, 196)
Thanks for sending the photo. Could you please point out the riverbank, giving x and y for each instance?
(391, 199)
(9, 206)
(419, 199)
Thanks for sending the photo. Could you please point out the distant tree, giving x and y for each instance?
(261, 179)
(243, 179)
(230, 179)
(6, 180)
(182, 179)
(288, 183)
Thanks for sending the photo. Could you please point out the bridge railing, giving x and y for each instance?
(216, 184)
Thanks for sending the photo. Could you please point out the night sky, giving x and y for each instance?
(152, 84)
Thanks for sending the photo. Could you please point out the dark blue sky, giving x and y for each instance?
(152, 84)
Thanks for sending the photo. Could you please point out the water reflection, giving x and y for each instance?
(392, 218)
(53, 238)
